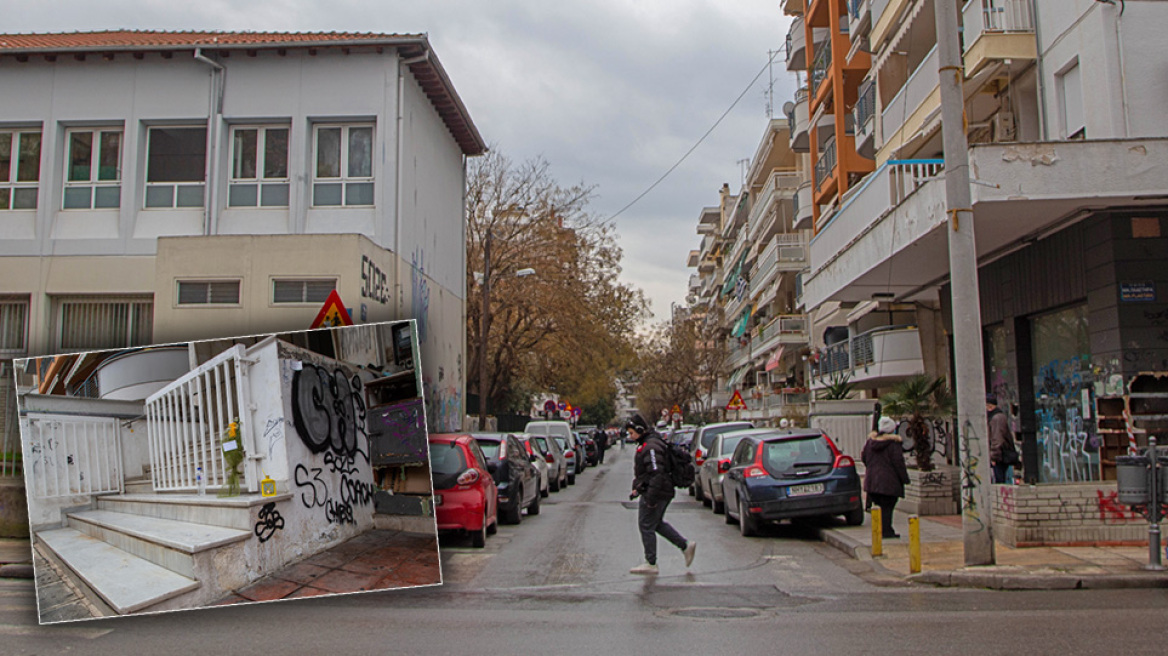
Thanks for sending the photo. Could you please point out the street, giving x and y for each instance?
(558, 583)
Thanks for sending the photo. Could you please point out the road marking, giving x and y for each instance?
(54, 632)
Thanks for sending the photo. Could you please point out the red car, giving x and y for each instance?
(465, 496)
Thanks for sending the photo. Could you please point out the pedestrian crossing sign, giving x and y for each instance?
(736, 402)
(333, 313)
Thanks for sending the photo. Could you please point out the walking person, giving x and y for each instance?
(1003, 451)
(885, 473)
(653, 485)
(601, 439)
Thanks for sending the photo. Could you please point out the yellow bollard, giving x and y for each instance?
(877, 533)
(914, 544)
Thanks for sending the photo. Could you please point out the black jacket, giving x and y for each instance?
(650, 474)
(1000, 434)
(884, 468)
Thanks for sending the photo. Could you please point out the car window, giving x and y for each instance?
(513, 451)
(477, 454)
(446, 458)
(743, 453)
(780, 456)
(729, 444)
(709, 434)
(541, 442)
(490, 448)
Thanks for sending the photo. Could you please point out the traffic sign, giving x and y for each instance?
(332, 313)
(736, 402)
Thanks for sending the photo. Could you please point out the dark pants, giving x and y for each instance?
(1000, 472)
(600, 453)
(887, 503)
(651, 521)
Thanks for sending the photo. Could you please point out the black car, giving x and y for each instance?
(591, 451)
(515, 476)
(783, 475)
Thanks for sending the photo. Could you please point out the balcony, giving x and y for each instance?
(911, 110)
(859, 18)
(783, 400)
(821, 65)
(864, 113)
(870, 359)
(793, 7)
(798, 119)
(997, 30)
(802, 203)
(695, 283)
(784, 329)
(762, 216)
(693, 259)
(825, 166)
(797, 46)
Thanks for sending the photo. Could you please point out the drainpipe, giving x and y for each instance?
(397, 183)
(214, 118)
(1039, 81)
(1122, 74)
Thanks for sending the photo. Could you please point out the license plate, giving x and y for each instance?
(805, 490)
(437, 499)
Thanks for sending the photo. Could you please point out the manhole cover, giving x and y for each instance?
(717, 613)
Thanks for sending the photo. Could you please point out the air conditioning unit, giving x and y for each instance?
(1005, 128)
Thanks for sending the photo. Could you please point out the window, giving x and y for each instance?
(259, 167)
(103, 322)
(302, 291)
(176, 160)
(1070, 87)
(93, 169)
(208, 292)
(344, 165)
(13, 326)
(20, 169)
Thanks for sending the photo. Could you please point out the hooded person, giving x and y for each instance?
(653, 485)
(1003, 451)
(885, 473)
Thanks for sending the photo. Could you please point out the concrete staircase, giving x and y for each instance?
(150, 552)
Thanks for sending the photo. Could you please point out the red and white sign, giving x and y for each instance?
(736, 402)
(333, 313)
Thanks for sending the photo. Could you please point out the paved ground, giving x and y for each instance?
(942, 559)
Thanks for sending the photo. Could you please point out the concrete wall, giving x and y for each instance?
(1075, 514)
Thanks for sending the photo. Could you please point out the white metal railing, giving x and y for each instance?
(1000, 16)
(784, 399)
(914, 92)
(187, 423)
(72, 456)
(791, 249)
(877, 195)
(856, 352)
(787, 325)
(777, 182)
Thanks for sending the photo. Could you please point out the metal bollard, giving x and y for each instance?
(914, 544)
(877, 532)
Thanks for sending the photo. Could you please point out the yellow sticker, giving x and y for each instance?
(268, 487)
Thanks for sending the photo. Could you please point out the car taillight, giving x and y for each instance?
(550, 458)
(723, 466)
(699, 457)
(468, 477)
(843, 461)
(570, 454)
(754, 471)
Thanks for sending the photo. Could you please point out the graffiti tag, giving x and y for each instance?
(269, 522)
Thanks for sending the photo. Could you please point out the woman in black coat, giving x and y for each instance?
(885, 473)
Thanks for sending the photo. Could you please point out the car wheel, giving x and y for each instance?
(478, 539)
(545, 491)
(571, 479)
(554, 485)
(719, 507)
(747, 525)
(855, 517)
(514, 514)
(493, 527)
(691, 490)
(699, 493)
(533, 509)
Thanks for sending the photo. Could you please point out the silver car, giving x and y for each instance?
(539, 459)
(714, 468)
(556, 462)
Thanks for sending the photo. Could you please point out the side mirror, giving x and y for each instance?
(492, 467)
(533, 458)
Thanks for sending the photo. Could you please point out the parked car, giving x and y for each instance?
(683, 436)
(465, 496)
(515, 477)
(717, 463)
(557, 463)
(591, 451)
(569, 457)
(561, 429)
(538, 460)
(703, 438)
(777, 475)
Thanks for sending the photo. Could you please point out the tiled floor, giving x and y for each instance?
(377, 560)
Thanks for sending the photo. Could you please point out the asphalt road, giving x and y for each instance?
(558, 584)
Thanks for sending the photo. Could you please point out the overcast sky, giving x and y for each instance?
(611, 92)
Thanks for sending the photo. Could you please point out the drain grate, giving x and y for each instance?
(716, 613)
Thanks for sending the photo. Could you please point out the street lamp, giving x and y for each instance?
(485, 325)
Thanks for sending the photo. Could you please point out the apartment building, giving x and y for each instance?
(745, 286)
(1068, 160)
(168, 186)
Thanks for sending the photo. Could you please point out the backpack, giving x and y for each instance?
(680, 465)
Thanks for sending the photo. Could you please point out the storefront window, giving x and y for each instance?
(1068, 446)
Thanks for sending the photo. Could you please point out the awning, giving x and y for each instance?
(737, 376)
(740, 326)
(775, 359)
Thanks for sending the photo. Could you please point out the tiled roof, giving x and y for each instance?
(426, 70)
(138, 39)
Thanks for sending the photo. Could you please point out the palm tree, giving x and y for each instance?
(919, 399)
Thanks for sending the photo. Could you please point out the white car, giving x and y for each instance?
(538, 458)
(561, 429)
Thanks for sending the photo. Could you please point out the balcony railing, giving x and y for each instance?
(780, 400)
(859, 352)
(996, 16)
(793, 327)
(866, 104)
(825, 165)
(72, 456)
(778, 182)
(910, 97)
(821, 63)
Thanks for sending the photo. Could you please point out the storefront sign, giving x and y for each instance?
(1138, 292)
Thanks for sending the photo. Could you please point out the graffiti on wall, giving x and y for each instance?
(420, 296)
(970, 481)
(1071, 505)
(1067, 441)
(329, 413)
(269, 522)
(443, 404)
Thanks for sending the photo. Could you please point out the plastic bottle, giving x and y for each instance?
(200, 482)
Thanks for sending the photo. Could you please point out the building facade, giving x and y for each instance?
(165, 186)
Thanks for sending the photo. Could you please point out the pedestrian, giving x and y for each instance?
(654, 486)
(885, 473)
(1003, 451)
(601, 439)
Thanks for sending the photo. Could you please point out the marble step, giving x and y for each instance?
(124, 581)
(232, 512)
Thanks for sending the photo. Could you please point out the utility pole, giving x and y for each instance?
(484, 326)
(977, 511)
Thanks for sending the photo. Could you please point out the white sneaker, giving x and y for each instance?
(690, 548)
(644, 568)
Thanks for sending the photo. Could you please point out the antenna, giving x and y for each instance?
(743, 163)
(770, 92)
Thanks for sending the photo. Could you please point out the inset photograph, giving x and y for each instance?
(227, 471)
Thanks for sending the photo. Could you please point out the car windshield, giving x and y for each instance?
(729, 444)
(785, 456)
(490, 448)
(710, 433)
(542, 443)
(446, 463)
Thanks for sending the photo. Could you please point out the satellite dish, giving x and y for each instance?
(788, 107)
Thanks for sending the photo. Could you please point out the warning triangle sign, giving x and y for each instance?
(736, 402)
(332, 313)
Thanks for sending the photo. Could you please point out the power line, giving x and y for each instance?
(703, 138)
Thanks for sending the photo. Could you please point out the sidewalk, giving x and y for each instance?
(15, 558)
(1030, 568)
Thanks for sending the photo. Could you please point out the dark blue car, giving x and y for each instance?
(783, 474)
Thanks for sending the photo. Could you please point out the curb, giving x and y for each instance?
(849, 545)
(1020, 581)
